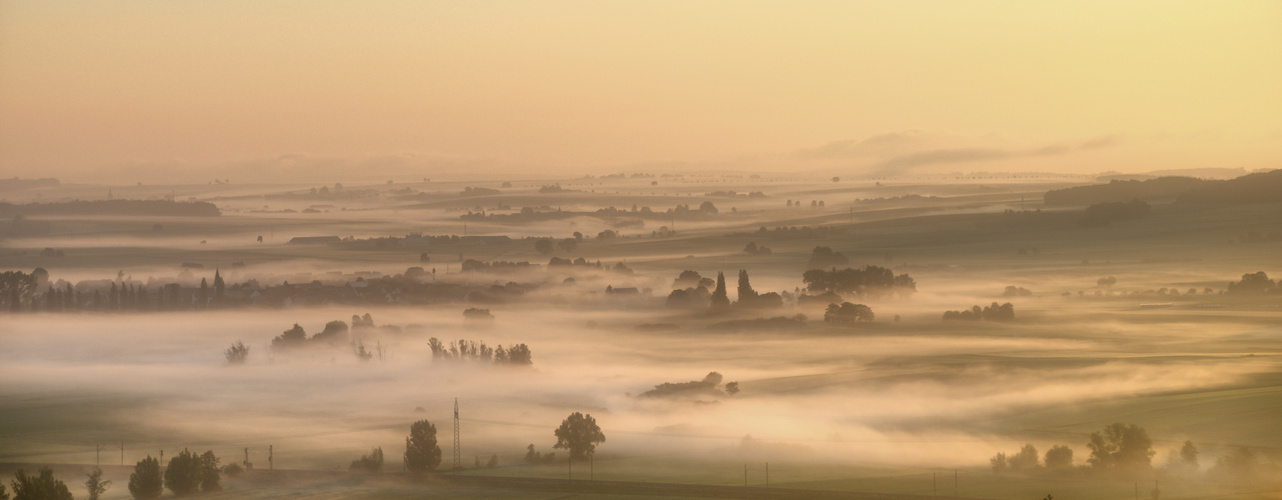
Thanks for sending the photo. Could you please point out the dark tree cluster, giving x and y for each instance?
(1017, 291)
(186, 474)
(871, 281)
(1103, 214)
(371, 462)
(499, 266)
(1257, 282)
(1120, 447)
(709, 386)
(533, 457)
(824, 257)
(476, 313)
(847, 313)
(793, 232)
(994, 312)
(163, 208)
(752, 248)
(750, 299)
(467, 350)
(41, 487)
(335, 333)
(1026, 460)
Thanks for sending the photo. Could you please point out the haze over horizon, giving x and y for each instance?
(189, 91)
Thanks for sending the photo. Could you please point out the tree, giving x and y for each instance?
(732, 388)
(544, 245)
(1059, 457)
(1120, 446)
(579, 434)
(421, 452)
(719, 298)
(237, 353)
(1026, 459)
(42, 487)
(184, 473)
(746, 293)
(291, 338)
(218, 282)
(210, 475)
(145, 483)
(1188, 454)
(4, 495)
(95, 485)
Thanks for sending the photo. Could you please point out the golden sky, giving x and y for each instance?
(556, 87)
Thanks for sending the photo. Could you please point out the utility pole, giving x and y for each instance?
(122, 453)
(270, 466)
(458, 460)
(97, 455)
(162, 455)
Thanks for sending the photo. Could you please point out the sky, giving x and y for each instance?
(125, 90)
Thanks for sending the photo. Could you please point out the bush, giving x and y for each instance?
(237, 353)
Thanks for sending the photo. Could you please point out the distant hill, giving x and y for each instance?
(114, 207)
(16, 184)
(1119, 191)
(1263, 187)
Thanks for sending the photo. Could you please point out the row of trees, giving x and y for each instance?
(871, 281)
(186, 474)
(468, 350)
(696, 294)
(19, 291)
(994, 312)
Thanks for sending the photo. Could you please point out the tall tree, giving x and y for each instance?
(719, 298)
(218, 287)
(746, 293)
(580, 434)
(146, 483)
(1120, 446)
(421, 451)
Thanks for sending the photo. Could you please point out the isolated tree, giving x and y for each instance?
(719, 298)
(1120, 446)
(1059, 457)
(421, 452)
(42, 487)
(998, 462)
(237, 353)
(95, 485)
(145, 483)
(579, 434)
(732, 388)
(1188, 454)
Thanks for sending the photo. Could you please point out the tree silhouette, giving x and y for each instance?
(746, 293)
(421, 452)
(145, 483)
(1120, 446)
(95, 485)
(184, 474)
(237, 353)
(372, 462)
(1059, 457)
(579, 434)
(1188, 454)
(719, 298)
(42, 487)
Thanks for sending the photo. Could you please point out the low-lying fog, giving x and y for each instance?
(911, 395)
